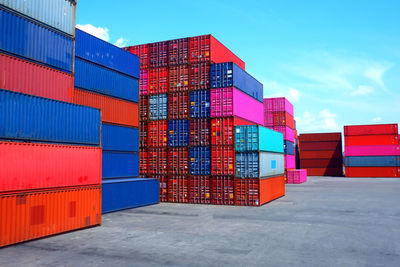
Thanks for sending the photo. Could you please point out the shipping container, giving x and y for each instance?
(178, 189)
(105, 54)
(113, 110)
(199, 161)
(129, 193)
(371, 140)
(142, 51)
(282, 118)
(223, 190)
(373, 161)
(199, 132)
(144, 107)
(158, 80)
(163, 180)
(257, 138)
(317, 137)
(157, 161)
(144, 82)
(257, 192)
(178, 105)
(296, 176)
(28, 166)
(259, 164)
(222, 160)
(178, 51)
(105, 81)
(157, 134)
(226, 102)
(229, 74)
(223, 130)
(158, 54)
(178, 78)
(324, 145)
(372, 171)
(278, 104)
(200, 189)
(200, 104)
(206, 48)
(288, 134)
(120, 164)
(388, 150)
(119, 138)
(178, 133)
(158, 107)
(143, 162)
(178, 161)
(290, 162)
(325, 171)
(199, 76)
(28, 39)
(24, 76)
(143, 131)
(322, 163)
(327, 154)
(59, 122)
(32, 215)
(289, 148)
(377, 129)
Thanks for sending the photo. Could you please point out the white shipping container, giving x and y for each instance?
(59, 14)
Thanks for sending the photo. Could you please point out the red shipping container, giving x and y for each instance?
(200, 76)
(163, 180)
(222, 160)
(199, 132)
(206, 48)
(371, 140)
(324, 171)
(27, 166)
(113, 110)
(157, 134)
(223, 190)
(200, 189)
(29, 78)
(144, 107)
(143, 134)
(257, 192)
(158, 54)
(143, 161)
(223, 130)
(158, 80)
(282, 118)
(320, 137)
(31, 215)
(178, 51)
(322, 154)
(329, 145)
(178, 160)
(157, 161)
(322, 163)
(178, 189)
(377, 129)
(373, 172)
(144, 82)
(179, 78)
(178, 105)
(142, 51)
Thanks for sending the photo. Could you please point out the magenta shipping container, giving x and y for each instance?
(290, 162)
(227, 102)
(388, 150)
(278, 104)
(296, 176)
(288, 134)
(144, 82)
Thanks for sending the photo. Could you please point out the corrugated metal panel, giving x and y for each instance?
(157, 133)
(158, 80)
(257, 138)
(119, 138)
(178, 52)
(30, 78)
(58, 14)
(370, 172)
(178, 189)
(142, 51)
(257, 165)
(199, 161)
(178, 77)
(158, 161)
(200, 189)
(58, 122)
(199, 132)
(200, 104)
(373, 161)
(27, 166)
(158, 54)
(222, 160)
(178, 160)
(178, 105)
(103, 53)
(289, 147)
(38, 214)
(129, 193)
(200, 76)
(28, 39)
(377, 129)
(105, 81)
(178, 133)
(120, 164)
(223, 190)
(158, 107)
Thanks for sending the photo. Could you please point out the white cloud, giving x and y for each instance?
(121, 42)
(363, 90)
(324, 120)
(274, 89)
(375, 73)
(99, 32)
(294, 95)
(377, 119)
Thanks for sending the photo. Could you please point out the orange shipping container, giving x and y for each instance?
(32, 215)
(113, 110)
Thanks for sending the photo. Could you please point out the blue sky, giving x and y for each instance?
(337, 61)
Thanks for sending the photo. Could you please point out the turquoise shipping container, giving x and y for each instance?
(259, 164)
(258, 138)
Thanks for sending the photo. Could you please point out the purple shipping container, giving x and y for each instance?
(290, 162)
(227, 102)
(278, 104)
(387, 150)
(288, 134)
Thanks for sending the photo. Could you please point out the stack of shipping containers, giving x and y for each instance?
(321, 154)
(372, 150)
(113, 87)
(50, 159)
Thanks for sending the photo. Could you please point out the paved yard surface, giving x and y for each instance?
(324, 222)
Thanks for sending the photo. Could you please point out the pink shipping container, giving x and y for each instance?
(290, 162)
(144, 82)
(268, 118)
(386, 150)
(227, 102)
(278, 104)
(288, 134)
(296, 176)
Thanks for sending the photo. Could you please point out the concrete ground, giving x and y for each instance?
(324, 222)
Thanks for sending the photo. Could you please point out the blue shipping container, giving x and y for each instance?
(26, 117)
(259, 164)
(129, 193)
(105, 81)
(108, 55)
(289, 147)
(178, 133)
(119, 138)
(158, 107)
(120, 164)
(28, 39)
(199, 161)
(231, 75)
(200, 104)
(257, 138)
(373, 161)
